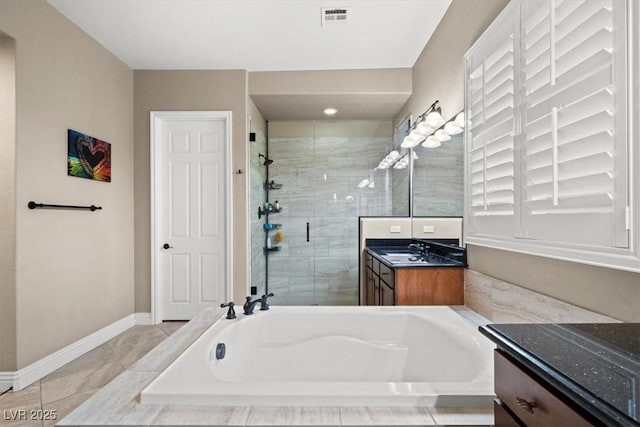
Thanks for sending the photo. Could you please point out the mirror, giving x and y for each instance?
(438, 179)
(400, 177)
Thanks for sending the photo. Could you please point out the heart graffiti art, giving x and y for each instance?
(88, 157)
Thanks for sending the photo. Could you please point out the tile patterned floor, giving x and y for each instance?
(66, 388)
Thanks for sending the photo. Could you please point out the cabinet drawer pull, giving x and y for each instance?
(526, 405)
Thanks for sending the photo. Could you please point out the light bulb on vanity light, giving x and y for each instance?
(459, 120)
(393, 155)
(441, 135)
(424, 129)
(434, 119)
(431, 142)
(411, 140)
(452, 128)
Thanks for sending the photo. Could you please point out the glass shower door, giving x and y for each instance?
(320, 169)
(291, 268)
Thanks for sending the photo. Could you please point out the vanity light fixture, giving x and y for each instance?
(330, 111)
(431, 129)
(424, 125)
(444, 131)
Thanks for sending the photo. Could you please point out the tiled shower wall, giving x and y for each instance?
(320, 174)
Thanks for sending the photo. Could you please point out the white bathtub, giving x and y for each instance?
(333, 356)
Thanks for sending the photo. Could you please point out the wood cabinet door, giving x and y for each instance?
(429, 286)
(387, 295)
(502, 417)
(369, 288)
(528, 399)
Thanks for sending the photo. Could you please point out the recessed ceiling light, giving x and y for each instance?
(330, 111)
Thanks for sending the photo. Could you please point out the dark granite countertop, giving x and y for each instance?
(595, 365)
(394, 253)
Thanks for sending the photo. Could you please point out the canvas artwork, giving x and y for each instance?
(88, 157)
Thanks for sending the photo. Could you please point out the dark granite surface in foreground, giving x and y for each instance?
(596, 365)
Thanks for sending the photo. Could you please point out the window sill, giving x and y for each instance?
(615, 258)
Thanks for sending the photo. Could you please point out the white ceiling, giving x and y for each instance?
(257, 35)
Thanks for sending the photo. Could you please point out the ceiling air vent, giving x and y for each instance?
(334, 15)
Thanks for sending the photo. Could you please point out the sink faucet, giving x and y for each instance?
(419, 248)
(250, 305)
(416, 247)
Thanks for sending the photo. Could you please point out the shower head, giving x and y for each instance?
(267, 162)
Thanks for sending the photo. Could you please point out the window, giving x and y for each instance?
(548, 143)
(491, 113)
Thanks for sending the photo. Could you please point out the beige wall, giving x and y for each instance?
(439, 71)
(357, 94)
(330, 128)
(330, 82)
(74, 269)
(256, 121)
(439, 74)
(7, 205)
(190, 90)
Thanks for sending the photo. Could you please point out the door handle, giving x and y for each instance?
(307, 232)
(167, 246)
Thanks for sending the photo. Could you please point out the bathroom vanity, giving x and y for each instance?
(396, 272)
(566, 374)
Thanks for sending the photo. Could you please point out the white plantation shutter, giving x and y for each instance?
(490, 102)
(573, 131)
(548, 87)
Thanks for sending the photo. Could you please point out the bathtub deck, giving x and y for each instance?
(118, 402)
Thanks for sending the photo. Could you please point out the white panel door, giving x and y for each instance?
(191, 232)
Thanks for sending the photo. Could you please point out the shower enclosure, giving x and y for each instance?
(319, 165)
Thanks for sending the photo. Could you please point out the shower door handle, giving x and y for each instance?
(307, 232)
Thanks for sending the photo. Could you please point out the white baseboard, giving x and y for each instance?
(6, 380)
(43, 367)
(143, 319)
